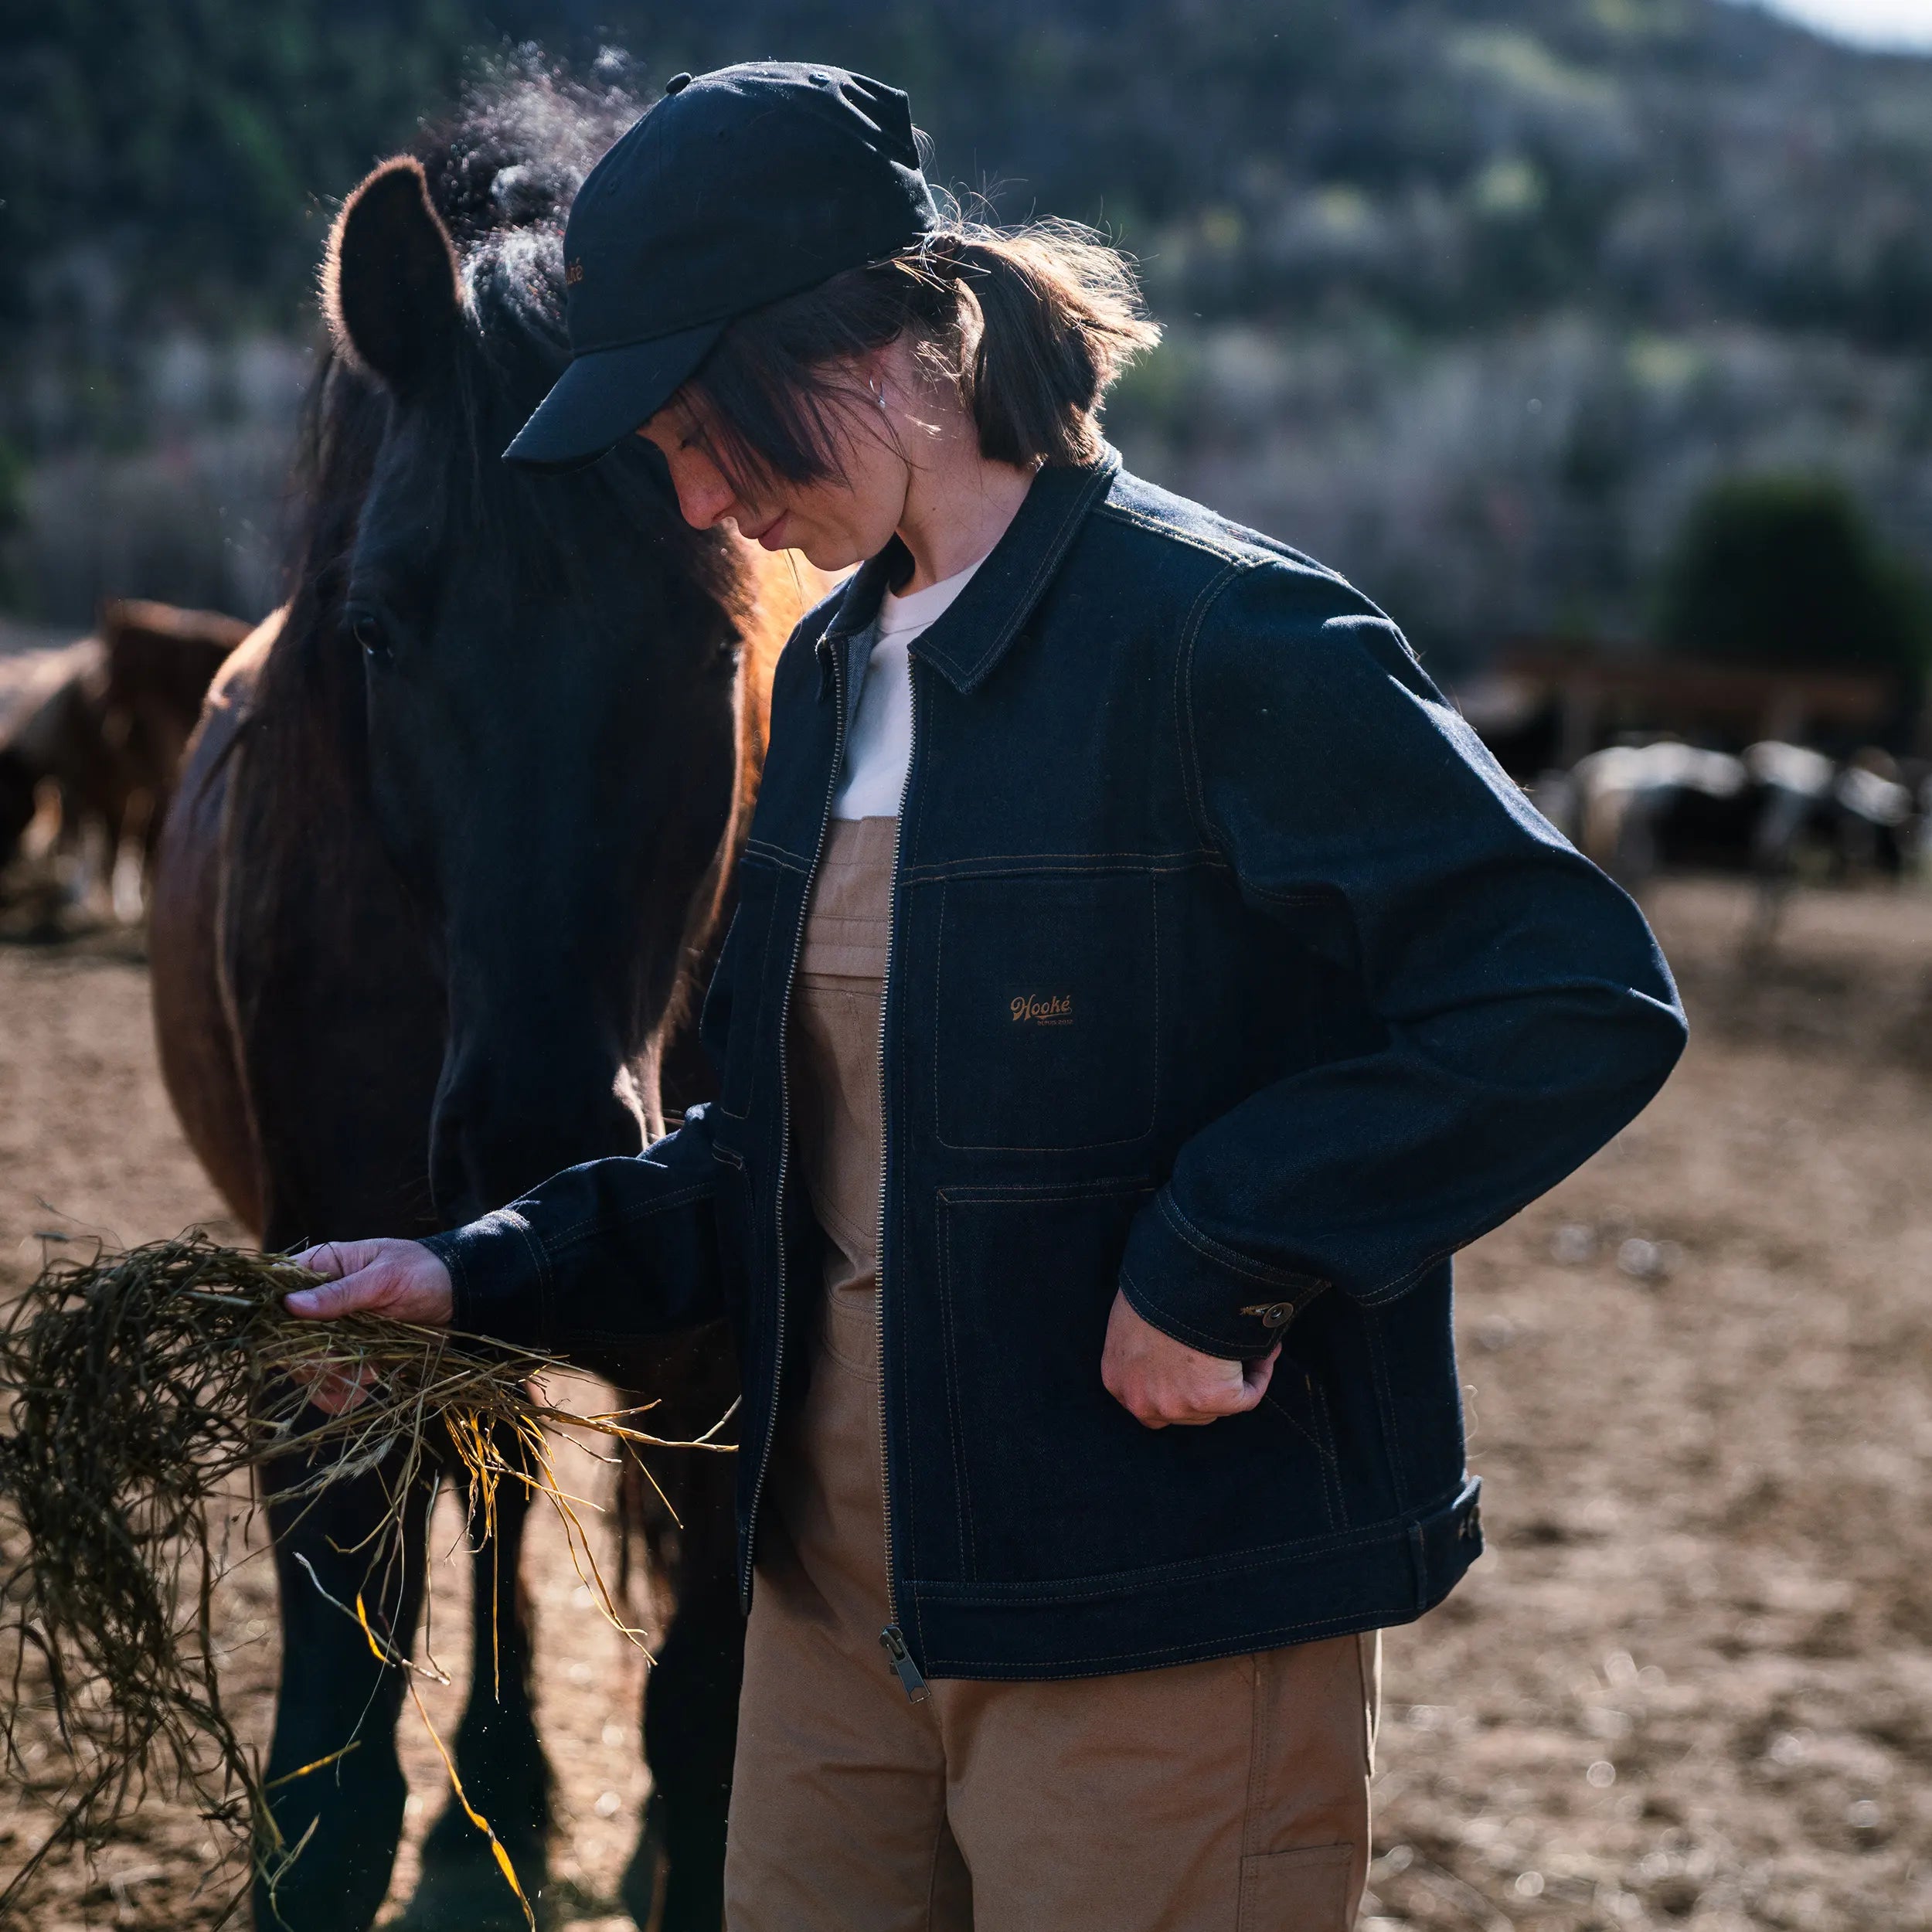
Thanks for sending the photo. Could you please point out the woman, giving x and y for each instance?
(1141, 982)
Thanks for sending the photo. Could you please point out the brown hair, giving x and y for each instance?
(1030, 324)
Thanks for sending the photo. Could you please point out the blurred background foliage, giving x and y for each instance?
(1785, 569)
(1476, 299)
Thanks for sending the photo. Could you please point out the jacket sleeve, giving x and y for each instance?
(1523, 1012)
(598, 1257)
(603, 1255)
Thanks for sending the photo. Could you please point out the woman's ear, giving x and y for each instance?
(390, 289)
(893, 376)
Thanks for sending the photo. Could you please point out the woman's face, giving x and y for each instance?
(837, 522)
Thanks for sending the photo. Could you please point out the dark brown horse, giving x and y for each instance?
(453, 842)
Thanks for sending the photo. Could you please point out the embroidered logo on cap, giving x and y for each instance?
(573, 273)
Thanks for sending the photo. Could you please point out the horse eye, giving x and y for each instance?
(365, 628)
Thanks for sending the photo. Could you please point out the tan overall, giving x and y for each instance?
(1223, 1797)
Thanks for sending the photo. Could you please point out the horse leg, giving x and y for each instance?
(691, 1716)
(337, 1701)
(499, 1756)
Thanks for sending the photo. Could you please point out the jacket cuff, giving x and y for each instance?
(501, 1279)
(1203, 1293)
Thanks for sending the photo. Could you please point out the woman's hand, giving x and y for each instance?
(1159, 1381)
(402, 1280)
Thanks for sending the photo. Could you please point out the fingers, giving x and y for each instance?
(340, 1389)
(1194, 1409)
(366, 1288)
(1189, 1394)
(1256, 1376)
(402, 1280)
(1163, 1384)
(1230, 1395)
(332, 1259)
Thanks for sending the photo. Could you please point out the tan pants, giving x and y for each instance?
(1224, 1797)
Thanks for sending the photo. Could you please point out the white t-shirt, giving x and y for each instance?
(879, 746)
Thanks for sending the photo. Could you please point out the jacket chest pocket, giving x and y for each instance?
(1046, 1017)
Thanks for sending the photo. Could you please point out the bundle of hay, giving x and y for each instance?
(139, 1389)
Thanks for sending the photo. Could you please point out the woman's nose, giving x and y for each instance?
(704, 502)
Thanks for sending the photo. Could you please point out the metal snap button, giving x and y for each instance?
(1272, 1314)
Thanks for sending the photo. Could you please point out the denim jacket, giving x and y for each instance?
(1227, 970)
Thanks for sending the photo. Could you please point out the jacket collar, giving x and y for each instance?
(973, 634)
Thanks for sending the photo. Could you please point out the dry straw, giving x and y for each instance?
(142, 1389)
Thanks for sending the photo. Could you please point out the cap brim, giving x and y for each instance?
(606, 394)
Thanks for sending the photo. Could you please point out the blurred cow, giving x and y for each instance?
(1638, 807)
(1779, 809)
(91, 735)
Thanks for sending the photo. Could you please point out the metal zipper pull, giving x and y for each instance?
(893, 1642)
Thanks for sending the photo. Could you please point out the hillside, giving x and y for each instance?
(1467, 296)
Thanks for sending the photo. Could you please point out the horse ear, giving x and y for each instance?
(390, 287)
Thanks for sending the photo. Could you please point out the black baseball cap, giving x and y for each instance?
(736, 189)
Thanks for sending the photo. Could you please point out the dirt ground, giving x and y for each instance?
(1691, 1683)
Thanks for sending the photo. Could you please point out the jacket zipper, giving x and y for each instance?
(892, 1638)
(785, 1120)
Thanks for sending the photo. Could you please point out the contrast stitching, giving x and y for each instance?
(1050, 560)
(1026, 1193)
(778, 854)
(909, 833)
(1123, 513)
(1386, 1401)
(1388, 1291)
(1181, 1330)
(939, 1009)
(1323, 1456)
(1332, 1463)
(999, 865)
(547, 1299)
(578, 1231)
(968, 1530)
(896, 1077)
(1391, 1532)
(742, 1048)
(1231, 1259)
(1154, 1099)
(1290, 895)
(1184, 706)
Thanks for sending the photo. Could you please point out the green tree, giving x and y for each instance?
(183, 141)
(1787, 569)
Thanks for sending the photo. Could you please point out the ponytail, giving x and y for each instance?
(1047, 317)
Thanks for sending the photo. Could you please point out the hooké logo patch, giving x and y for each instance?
(1041, 1009)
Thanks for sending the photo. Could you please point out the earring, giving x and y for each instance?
(876, 397)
